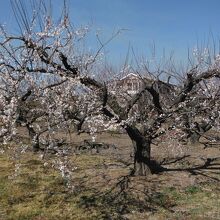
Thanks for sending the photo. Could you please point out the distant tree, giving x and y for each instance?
(46, 84)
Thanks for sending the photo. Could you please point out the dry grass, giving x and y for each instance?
(102, 189)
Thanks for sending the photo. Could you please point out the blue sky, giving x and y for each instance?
(173, 25)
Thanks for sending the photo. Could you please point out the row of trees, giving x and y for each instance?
(48, 85)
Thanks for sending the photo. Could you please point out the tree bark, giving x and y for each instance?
(34, 138)
(142, 158)
(143, 165)
(194, 138)
(199, 130)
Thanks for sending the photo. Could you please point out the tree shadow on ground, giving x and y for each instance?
(210, 164)
(126, 195)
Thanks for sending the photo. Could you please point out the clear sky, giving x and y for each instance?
(173, 25)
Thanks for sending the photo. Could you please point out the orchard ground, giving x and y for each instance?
(100, 186)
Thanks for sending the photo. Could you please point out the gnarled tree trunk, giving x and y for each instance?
(143, 165)
(34, 138)
(198, 131)
(193, 138)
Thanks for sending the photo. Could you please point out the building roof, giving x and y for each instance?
(130, 75)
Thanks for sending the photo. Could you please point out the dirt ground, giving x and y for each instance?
(103, 188)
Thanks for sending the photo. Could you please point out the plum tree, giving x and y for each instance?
(47, 85)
